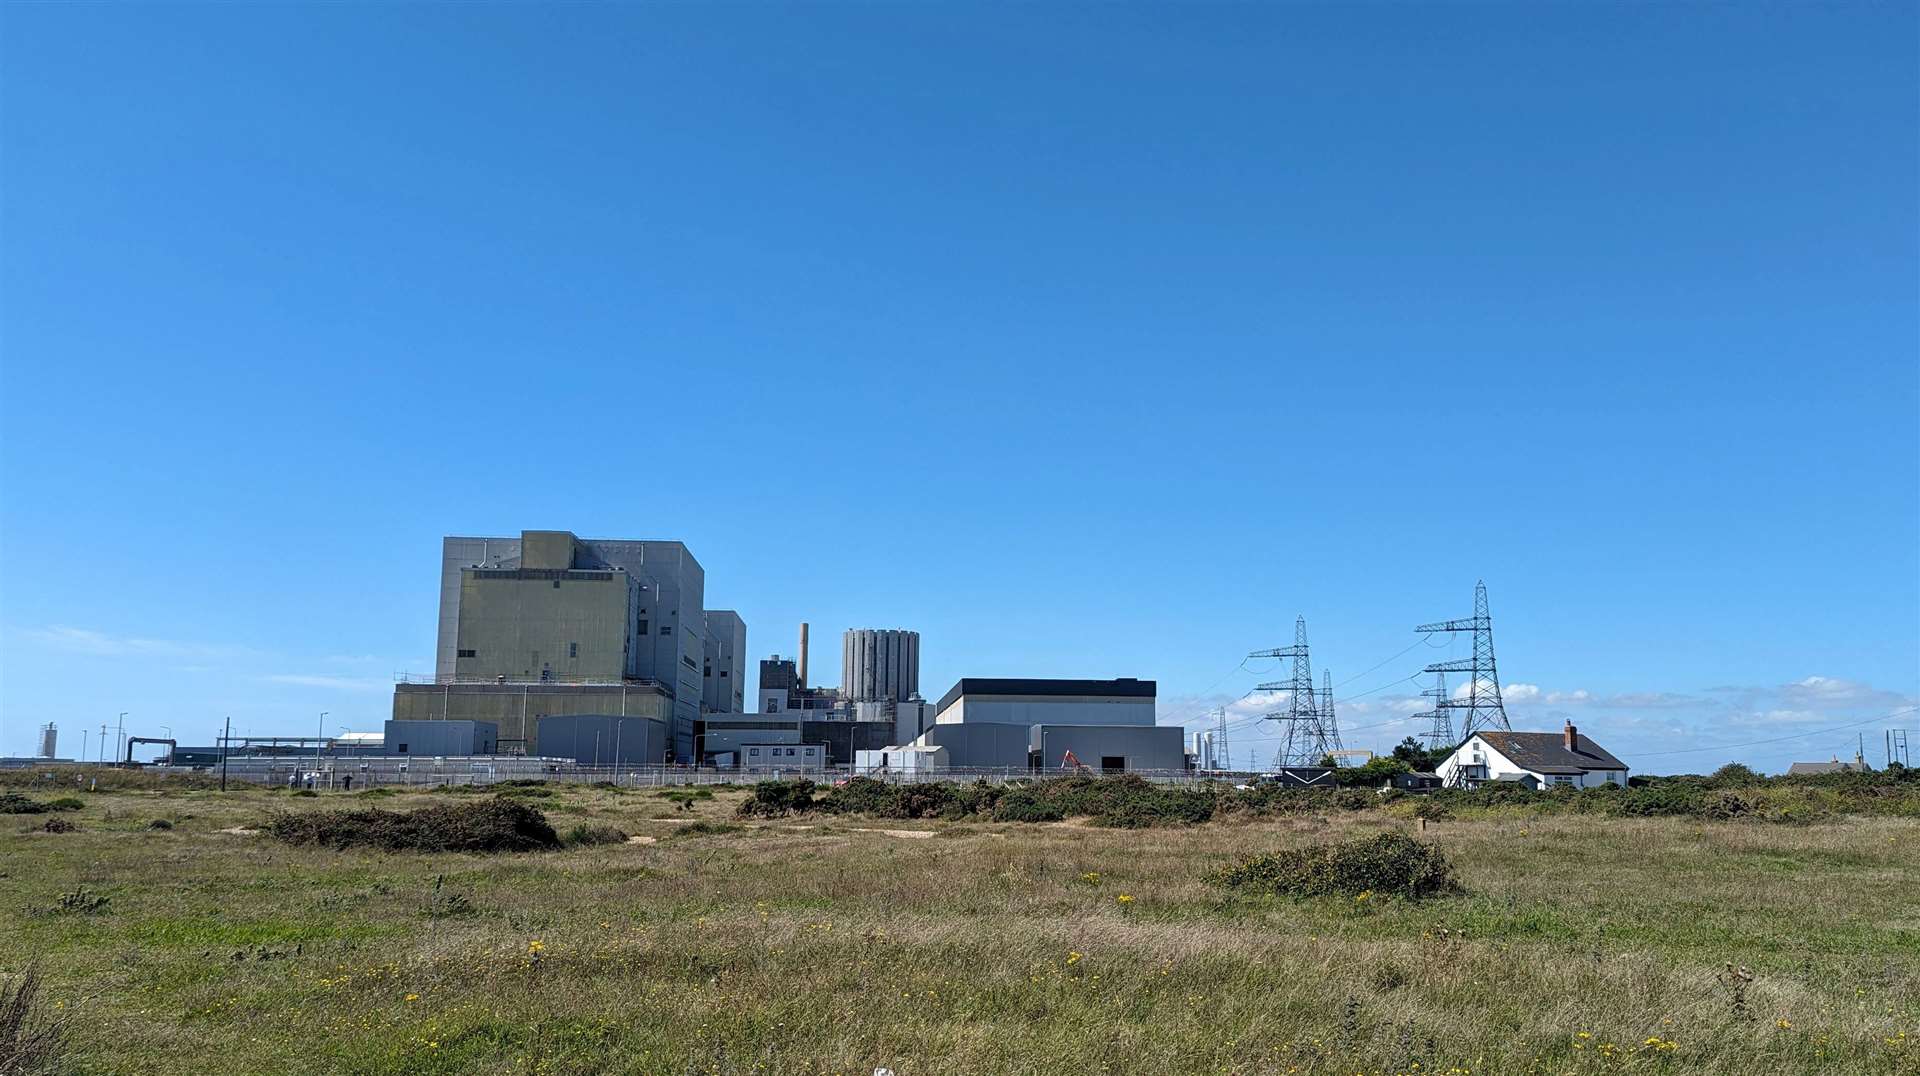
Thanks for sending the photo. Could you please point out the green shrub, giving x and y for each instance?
(66, 803)
(523, 791)
(15, 803)
(1023, 804)
(776, 799)
(494, 825)
(706, 829)
(589, 833)
(1389, 863)
(159, 823)
(864, 795)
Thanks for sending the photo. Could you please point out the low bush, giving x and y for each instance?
(15, 803)
(705, 829)
(493, 825)
(588, 833)
(66, 803)
(776, 799)
(60, 825)
(1391, 863)
(159, 823)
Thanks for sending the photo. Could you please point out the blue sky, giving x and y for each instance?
(1087, 340)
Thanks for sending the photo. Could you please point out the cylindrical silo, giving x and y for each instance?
(880, 664)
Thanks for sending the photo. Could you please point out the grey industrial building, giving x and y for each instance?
(1106, 725)
(551, 624)
(441, 738)
(731, 733)
(604, 739)
(879, 665)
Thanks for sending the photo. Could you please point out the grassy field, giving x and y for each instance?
(835, 944)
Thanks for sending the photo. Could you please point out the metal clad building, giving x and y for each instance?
(441, 738)
(973, 700)
(1111, 748)
(604, 739)
(880, 665)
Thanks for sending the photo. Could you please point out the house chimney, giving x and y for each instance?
(803, 654)
(1571, 737)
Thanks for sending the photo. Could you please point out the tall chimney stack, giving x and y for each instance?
(803, 654)
(1571, 737)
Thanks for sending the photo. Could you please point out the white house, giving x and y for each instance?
(1533, 759)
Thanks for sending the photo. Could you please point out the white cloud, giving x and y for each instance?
(100, 643)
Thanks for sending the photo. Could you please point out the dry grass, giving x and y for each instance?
(1582, 945)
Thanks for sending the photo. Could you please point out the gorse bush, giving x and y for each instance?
(1391, 863)
(15, 803)
(494, 825)
(1132, 802)
(774, 799)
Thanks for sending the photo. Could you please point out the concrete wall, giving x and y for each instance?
(604, 739)
(671, 601)
(723, 672)
(1048, 710)
(556, 625)
(517, 708)
(1162, 747)
(441, 738)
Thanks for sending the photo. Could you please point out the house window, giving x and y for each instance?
(1562, 779)
(401, 750)
(666, 629)
(754, 751)
(556, 584)
(573, 650)
(643, 626)
(464, 653)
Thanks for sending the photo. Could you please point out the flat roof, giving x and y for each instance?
(1126, 687)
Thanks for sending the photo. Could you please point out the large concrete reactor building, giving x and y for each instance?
(550, 624)
(879, 665)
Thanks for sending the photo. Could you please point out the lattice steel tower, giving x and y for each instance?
(1439, 734)
(1222, 754)
(1304, 739)
(1482, 703)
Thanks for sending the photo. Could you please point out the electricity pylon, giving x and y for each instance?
(1483, 707)
(1439, 732)
(1304, 740)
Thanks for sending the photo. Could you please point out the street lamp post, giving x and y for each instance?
(320, 737)
(120, 738)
